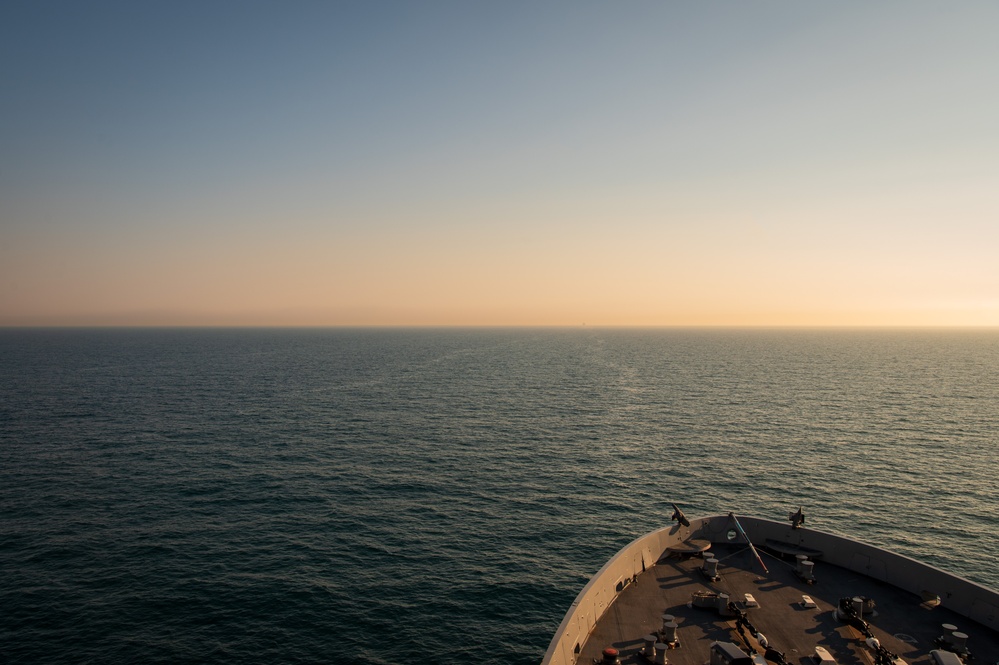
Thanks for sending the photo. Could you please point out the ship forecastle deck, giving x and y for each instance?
(903, 623)
(914, 604)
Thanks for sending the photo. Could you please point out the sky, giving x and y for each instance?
(514, 163)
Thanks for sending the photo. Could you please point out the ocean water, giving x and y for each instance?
(441, 496)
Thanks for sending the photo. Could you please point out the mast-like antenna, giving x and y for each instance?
(753, 549)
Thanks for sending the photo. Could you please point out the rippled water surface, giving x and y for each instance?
(440, 496)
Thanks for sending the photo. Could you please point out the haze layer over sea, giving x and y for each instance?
(441, 496)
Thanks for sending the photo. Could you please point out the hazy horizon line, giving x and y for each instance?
(501, 326)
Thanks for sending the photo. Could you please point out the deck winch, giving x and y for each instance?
(851, 610)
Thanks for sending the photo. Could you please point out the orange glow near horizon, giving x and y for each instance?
(440, 277)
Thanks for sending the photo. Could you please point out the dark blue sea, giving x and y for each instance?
(441, 496)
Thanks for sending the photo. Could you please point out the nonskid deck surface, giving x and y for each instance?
(903, 624)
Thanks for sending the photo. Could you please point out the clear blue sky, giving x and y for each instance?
(507, 163)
